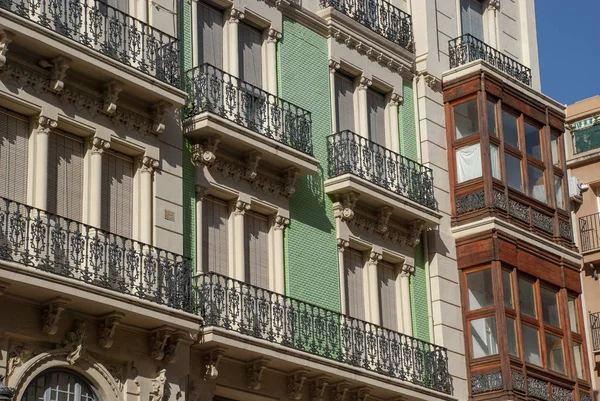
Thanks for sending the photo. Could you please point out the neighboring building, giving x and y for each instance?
(582, 145)
(261, 200)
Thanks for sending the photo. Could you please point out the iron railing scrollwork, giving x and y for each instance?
(350, 153)
(468, 48)
(379, 16)
(103, 28)
(237, 306)
(595, 328)
(213, 90)
(64, 247)
(589, 231)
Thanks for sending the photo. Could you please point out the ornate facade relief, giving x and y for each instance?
(318, 388)
(159, 112)
(158, 342)
(52, 313)
(361, 394)
(211, 363)
(58, 72)
(252, 158)
(296, 383)
(205, 151)
(110, 96)
(107, 329)
(254, 373)
(74, 342)
(345, 205)
(18, 355)
(157, 393)
(5, 39)
(339, 391)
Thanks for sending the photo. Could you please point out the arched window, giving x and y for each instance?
(59, 385)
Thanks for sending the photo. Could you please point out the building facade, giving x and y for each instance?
(582, 161)
(230, 200)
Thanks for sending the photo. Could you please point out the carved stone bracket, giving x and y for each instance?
(241, 207)
(254, 373)
(52, 313)
(74, 342)
(157, 393)
(434, 83)
(211, 363)
(148, 164)
(158, 342)
(494, 5)
(318, 387)
(45, 125)
(3, 287)
(383, 216)
(339, 391)
(18, 355)
(296, 383)
(107, 329)
(171, 347)
(414, 232)
(342, 244)
(159, 112)
(348, 204)
(59, 65)
(364, 82)
(396, 99)
(374, 258)
(252, 158)
(334, 65)
(5, 38)
(235, 16)
(407, 271)
(361, 394)
(110, 96)
(281, 222)
(99, 145)
(290, 177)
(273, 36)
(205, 152)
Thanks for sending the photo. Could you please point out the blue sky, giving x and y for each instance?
(568, 35)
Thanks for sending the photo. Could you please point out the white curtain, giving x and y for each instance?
(495, 161)
(539, 192)
(468, 162)
(559, 192)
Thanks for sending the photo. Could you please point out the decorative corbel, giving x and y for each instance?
(107, 329)
(52, 313)
(148, 164)
(342, 245)
(383, 216)
(362, 394)
(45, 125)
(99, 145)
(364, 82)
(414, 232)
(296, 383)
(158, 342)
(17, 356)
(494, 5)
(281, 222)
(318, 387)
(273, 36)
(374, 258)
(59, 65)
(157, 393)
(171, 347)
(111, 94)
(211, 363)
(396, 99)
(74, 342)
(3, 287)
(334, 65)
(290, 177)
(348, 204)
(5, 38)
(251, 160)
(339, 391)
(434, 83)
(235, 16)
(159, 112)
(241, 207)
(254, 373)
(205, 152)
(407, 270)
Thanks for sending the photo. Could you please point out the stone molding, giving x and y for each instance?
(410, 238)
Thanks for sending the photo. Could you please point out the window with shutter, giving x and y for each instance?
(215, 237)
(210, 29)
(14, 133)
(353, 273)
(117, 193)
(65, 175)
(257, 249)
(386, 273)
(376, 116)
(471, 14)
(344, 106)
(250, 55)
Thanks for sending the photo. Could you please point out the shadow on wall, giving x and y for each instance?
(310, 196)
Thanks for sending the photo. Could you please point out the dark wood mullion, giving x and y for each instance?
(538, 301)
(567, 338)
(486, 162)
(448, 110)
(500, 133)
(501, 321)
(547, 142)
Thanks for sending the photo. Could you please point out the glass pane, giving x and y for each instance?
(578, 354)
(468, 162)
(511, 131)
(466, 119)
(484, 341)
(554, 353)
(491, 118)
(527, 298)
(531, 344)
(507, 288)
(555, 151)
(479, 286)
(511, 329)
(537, 186)
(559, 192)
(495, 158)
(572, 303)
(532, 141)
(550, 307)
(514, 179)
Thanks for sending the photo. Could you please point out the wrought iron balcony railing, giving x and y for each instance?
(60, 246)
(259, 313)
(467, 48)
(95, 24)
(589, 230)
(213, 90)
(379, 16)
(350, 153)
(587, 138)
(595, 328)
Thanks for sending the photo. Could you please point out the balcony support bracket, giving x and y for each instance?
(339, 391)
(344, 207)
(5, 38)
(3, 287)
(291, 175)
(205, 152)
(158, 342)
(252, 159)
(111, 94)
(52, 313)
(59, 67)
(318, 388)
(295, 384)
(211, 363)
(255, 372)
(159, 112)
(107, 329)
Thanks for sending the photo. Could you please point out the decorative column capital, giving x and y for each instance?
(273, 36)
(45, 124)
(342, 245)
(5, 38)
(281, 222)
(374, 258)
(364, 83)
(396, 99)
(494, 5)
(333, 65)
(407, 271)
(99, 145)
(235, 16)
(241, 207)
(148, 165)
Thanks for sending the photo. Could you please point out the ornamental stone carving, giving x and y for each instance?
(289, 181)
(494, 5)
(171, 347)
(281, 222)
(99, 145)
(342, 244)
(273, 36)
(339, 391)
(5, 38)
(74, 342)
(334, 65)
(364, 83)
(432, 82)
(374, 258)
(107, 329)
(345, 208)
(407, 271)
(59, 65)
(235, 16)
(157, 393)
(17, 357)
(158, 342)
(383, 216)
(52, 314)
(159, 113)
(252, 158)
(362, 394)
(396, 99)
(211, 363)
(110, 95)
(45, 125)
(148, 164)
(205, 152)
(318, 387)
(241, 207)
(296, 383)
(254, 373)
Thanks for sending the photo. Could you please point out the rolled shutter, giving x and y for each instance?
(117, 193)
(471, 14)
(210, 27)
(376, 116)
(353, 272)
(387, 295)
(14, 136)
(65, 175)
(250, 55)
(257, 249)
(215, 238)
(344, 93)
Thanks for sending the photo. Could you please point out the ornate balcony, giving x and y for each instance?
(379, 16)
(589, 230)
(468, 48)
(595, 329)
(265, 315)
(247, 118)
(62, 247)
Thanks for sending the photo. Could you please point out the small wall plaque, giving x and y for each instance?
(169, 215)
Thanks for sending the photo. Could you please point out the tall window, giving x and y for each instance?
(579, 355)
(14, 134)
(353, 274)
(59, 385)
(376, 116)
(481, 319)
(468, 152)
(344, 105)
(250, 54)
(210, 29)
(560, 186)
(257, 249)
(117, 193)
(386, 274)
(215, 235)
(471, 17)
